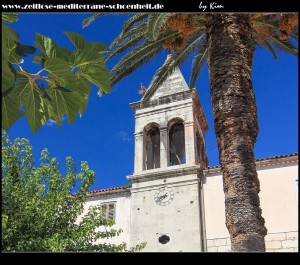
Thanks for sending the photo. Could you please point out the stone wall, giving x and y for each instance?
(275, 242)
(218, 245)
(282, 242)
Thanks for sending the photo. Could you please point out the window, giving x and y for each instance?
(152, 147)
(177, 143)
(109, 210)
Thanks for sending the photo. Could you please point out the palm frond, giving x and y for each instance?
(272, 23)
(272, 39)
(136, 21)
(267, 18)
(139, 51)
(133, 20)
(295, 33)
(198, 62)
(130, 42)
(271, 49)
(135, 62)
(155, 24)
(90, 19)
(122, 38)
(200, 19)
(170, 64)
(284, 45)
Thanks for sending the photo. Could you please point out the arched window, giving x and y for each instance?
(176, 143)
(152, 146)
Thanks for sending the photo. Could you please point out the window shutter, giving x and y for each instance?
(111, 211)
(104, 208)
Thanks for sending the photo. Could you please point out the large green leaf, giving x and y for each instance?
(87, 57)
(64, 53)
(12, 47)
(9, 17)
(98, 75)
(60, 71)
(78, 41)
(8, 77)
(47, 45)
(84, 89)
(64, 103)
(99, 47)
(10, 111)
(60, 52)
(31, 97)
(9, 34)
(91, 67)
(73, 102)
(39, 58)
(14, 57)
(10, 39)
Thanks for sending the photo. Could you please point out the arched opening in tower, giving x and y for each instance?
(152, 147)
(177, 144)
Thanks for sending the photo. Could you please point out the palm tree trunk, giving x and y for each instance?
(230, 57)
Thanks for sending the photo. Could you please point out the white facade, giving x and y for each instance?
(278, 178)
(176, 202)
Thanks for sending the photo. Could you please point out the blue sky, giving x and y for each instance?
(104, 135)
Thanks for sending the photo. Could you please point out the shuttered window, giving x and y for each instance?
(109, 210)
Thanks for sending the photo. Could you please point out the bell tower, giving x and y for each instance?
(166, 205)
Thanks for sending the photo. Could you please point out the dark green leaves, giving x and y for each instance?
(61, 86)
(24, 50)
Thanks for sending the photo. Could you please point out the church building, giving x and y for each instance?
(175, 202)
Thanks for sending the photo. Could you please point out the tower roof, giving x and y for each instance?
(173, 84)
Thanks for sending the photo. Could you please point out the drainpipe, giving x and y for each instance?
(202, 213)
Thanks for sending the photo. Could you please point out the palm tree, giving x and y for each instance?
(227, 42)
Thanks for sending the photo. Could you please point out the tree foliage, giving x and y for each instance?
(61, 86)
(42, 210)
